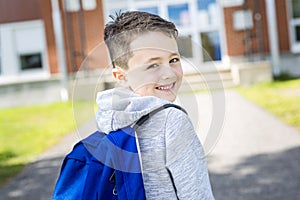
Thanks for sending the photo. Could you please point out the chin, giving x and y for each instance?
(171, 99)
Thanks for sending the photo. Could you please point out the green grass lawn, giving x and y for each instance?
(25, 132)
(282, 98)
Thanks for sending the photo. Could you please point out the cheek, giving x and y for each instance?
(141, 80)
(178, 71)
(146, 90)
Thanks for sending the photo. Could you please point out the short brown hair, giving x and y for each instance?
(119, 33)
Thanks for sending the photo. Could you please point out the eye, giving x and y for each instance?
(174, 60)
(152, 66)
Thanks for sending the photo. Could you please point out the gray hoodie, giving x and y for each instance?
(172, 158)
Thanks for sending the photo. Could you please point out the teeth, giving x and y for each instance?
(165, 87)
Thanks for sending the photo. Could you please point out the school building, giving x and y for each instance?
(43, 42)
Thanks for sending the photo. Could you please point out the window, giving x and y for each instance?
(30, 47)
(231, 3)
(295, 9)
(204, 4)
(210, 46)
(209, 22)
(31, 61)
(153, 10)
(197, 20)
(296, 19)
(297, 33)
(295, 25)
(208, 13)
(74, 5)
(179, 14)
(242, 20)
(23, 48)
(0, 54)
(89, 4)
(185, 46)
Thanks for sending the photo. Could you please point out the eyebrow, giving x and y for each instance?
(158, 58)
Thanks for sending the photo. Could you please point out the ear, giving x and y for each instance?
(118, 73)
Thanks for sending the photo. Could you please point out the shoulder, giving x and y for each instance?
(167, 114)
(179, 128)
(177, 116)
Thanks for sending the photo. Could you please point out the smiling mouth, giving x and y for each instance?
(165, 87)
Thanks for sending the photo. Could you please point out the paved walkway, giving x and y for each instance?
(257, 157)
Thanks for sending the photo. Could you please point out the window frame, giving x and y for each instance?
(10, 58)
(293, 23)
(192, 29)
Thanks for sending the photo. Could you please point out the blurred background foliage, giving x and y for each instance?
(280, 97)
(27, 131)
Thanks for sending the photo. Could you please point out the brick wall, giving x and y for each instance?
(77, 48)
(236, 39)
(24, 10)
(19, 10)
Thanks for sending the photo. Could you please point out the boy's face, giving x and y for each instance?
(155, 68)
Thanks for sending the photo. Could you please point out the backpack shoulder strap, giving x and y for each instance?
(153, 112)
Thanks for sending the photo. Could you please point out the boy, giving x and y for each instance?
(146, 63)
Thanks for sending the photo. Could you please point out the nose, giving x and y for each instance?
(167, 72)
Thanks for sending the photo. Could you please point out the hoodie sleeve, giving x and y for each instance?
(185, 158)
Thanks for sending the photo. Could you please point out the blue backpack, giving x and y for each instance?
(104, 166)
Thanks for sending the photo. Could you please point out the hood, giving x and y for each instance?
(120, 107)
